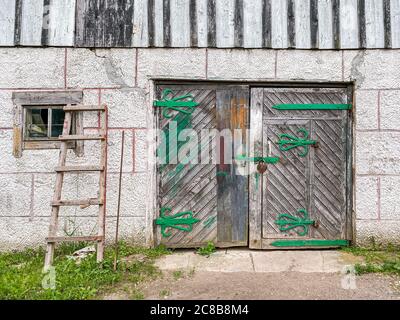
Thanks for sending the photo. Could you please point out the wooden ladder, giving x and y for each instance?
(62, 168)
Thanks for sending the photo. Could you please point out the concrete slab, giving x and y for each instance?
(245, 260)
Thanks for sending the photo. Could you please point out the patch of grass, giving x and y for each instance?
(377, 259)
(21, 272)
(206, 250)
(164, 293)
(177, 274)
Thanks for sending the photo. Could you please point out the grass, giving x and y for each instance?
(206, 250)
(21, 272)
(377, 260)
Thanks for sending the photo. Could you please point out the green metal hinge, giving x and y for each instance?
(310, 243)
(175, 221)
(287, 222)
(312, 106)
(184, 104)
(293, 142)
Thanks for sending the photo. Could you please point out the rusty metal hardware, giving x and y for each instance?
(261, 167)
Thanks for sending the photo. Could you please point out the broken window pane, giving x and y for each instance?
(57, 122)
(37, 122)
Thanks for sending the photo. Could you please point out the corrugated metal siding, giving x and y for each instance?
(302, 24)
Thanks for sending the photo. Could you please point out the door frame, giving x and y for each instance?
(152, 207)
(256, 184)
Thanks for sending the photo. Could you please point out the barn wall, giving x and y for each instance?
(121, 78)
(301, 24)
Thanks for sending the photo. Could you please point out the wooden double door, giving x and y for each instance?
(279, 169)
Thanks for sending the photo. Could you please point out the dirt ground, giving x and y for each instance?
(266, 286)
(244, 274)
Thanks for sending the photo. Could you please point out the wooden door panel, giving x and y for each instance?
(214, 195)
(304, 199)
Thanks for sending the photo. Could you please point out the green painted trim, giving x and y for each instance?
(312, 106)
(309, 243)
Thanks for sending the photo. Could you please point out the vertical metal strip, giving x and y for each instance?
(45, 25)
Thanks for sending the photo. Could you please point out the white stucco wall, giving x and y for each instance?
(121, 79)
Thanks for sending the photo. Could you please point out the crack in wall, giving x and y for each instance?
(355, 73)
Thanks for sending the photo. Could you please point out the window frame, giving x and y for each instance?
(44, 99)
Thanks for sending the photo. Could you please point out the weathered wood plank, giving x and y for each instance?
(240, 178)
(325, 24)
(253, 24)
(387, 24)
(291, 23)
(238, 23)
(180, 24)
(47, 97)
(266, 23)
(349, 34)
(211, 23)
(158, 23)
(279, 24)
(255, 180)
(140, 36)
(362, 24)
(167, 23)
(375, 31)
(7, 22)
(60, 23)
(193, 23)
(151, 22)
(201, 15)
(395, 22)
(314, 23)
(225, 16)
(224, 167)
(336, 23)
(31, 22)
(303, 24)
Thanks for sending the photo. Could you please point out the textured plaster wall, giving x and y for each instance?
(121, 79)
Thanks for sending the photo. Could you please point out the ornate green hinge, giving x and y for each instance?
(294, 142)
(183, 104)
(175, 221)
(287, 222)
(312, 106)
(310, 243)
(258, 159)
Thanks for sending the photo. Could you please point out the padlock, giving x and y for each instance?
(261, 167)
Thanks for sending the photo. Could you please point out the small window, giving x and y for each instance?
(43, 123)
(39, 120)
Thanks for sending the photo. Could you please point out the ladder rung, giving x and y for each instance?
(82, 202)
(76, 239)
(82, 137)
(85, 108)
(79, 168)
